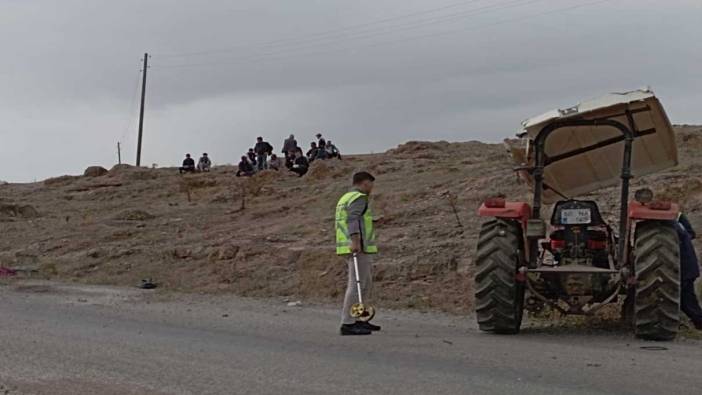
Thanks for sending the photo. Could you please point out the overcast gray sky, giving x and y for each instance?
(369, 74)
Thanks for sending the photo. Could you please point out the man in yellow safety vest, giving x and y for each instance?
(355, 236)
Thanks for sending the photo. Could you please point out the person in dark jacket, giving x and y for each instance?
(188, 165)
(300, 164)
(689, 272)
(312, 152)
(289, 148)
(262, 150)
(321, 142)
(252, 156)
(332, 150)
(246, 169)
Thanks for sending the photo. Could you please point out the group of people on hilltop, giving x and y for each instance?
(261, 156)
(204, 164)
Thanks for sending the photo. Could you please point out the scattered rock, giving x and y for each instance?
(134, 215)
(182, 253)
(95, 171)
(18, 211)
(94, 253)
(223, 254)
(295, 304)
(147, 284)
(116, 169)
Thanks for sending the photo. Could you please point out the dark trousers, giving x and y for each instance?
(240, 173)
(301, 171)
(186, 170)
(689, 303)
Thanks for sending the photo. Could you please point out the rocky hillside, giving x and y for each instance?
(272, 235)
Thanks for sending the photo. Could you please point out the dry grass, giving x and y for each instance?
(280, 242)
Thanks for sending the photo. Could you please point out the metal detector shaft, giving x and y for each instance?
(358, 280)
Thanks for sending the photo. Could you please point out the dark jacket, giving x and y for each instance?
(189, 163)
(289, 146)
(263, 148)
(312, 154)
(245, 166)
(689, 265)
(301, 162)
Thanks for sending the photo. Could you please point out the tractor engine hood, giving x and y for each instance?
(583, 159)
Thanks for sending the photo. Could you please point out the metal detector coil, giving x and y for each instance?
(360, 311)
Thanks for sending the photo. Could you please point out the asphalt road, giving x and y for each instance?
(60, 339)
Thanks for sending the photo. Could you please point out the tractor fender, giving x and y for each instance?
(515, 210)
(638, 211)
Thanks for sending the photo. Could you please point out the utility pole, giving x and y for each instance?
(119, 154)
(141, 111)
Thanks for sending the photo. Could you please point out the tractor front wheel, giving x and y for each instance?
(499, 298)
(657, 265)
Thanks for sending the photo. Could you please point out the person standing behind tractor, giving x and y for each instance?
(689, 272)
(262, 150)
(355, 237)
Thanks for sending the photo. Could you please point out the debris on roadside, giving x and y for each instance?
(147, 284)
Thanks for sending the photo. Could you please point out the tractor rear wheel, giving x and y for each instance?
(657, 265)
(499, 298)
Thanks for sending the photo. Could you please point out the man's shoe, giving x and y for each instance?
(368, 325)
(354, 330)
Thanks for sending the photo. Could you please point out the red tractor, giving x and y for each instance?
(575, 262)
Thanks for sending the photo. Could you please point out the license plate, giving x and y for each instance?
(575, 216)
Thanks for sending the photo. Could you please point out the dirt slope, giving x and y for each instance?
(134, 223)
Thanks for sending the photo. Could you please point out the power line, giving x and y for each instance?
(383, 30)
(322, 33)
(413, 38)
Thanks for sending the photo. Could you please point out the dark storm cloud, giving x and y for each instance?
(270, 67)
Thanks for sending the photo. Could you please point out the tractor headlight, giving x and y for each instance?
(643, 195)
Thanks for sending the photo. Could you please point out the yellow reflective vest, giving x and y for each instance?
(343, 239)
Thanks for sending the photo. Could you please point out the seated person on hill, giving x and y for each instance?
(204, 163)
(321, 142)
(300, 165)
(188, 165)
(322, 153)
(246, 169)
(312, 153)
(332, 150)
(252, 157)
(275, 163)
